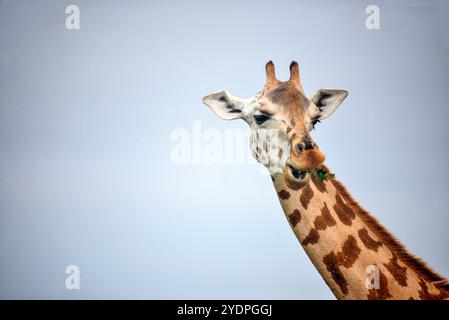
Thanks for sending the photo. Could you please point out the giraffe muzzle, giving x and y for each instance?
(298, 167)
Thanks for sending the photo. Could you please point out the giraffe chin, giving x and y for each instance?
(294, 178)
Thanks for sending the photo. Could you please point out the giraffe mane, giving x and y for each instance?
(396, 247)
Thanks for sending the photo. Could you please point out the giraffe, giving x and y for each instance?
(354, 254)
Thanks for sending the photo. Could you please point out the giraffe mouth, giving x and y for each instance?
(298, 174)
(295, 177)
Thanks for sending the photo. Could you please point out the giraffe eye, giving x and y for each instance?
(261, 118)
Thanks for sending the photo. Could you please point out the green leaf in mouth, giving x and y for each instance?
(322, 174)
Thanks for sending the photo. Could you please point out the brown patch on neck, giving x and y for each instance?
(325, 219)
(414, 263)
(343, 211)
(284, 194)
(311, 238)
(294, 218)
(306, 196)
(321, 222)
(349, 252)
(382, 293)
(399, 273)
(369, 242)
(345, 258)
(332, 265)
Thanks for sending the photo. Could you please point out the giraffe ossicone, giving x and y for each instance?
(341, 238)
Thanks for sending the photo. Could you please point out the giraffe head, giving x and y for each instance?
(281, 118)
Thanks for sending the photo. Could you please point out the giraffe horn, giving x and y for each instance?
(271, 75)
(294, 74)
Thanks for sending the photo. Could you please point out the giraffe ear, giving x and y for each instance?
(328, 100)
(224, 104)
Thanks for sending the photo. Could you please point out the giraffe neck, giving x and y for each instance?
(355, 255)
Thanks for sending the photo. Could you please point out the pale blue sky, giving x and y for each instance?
(86, 116)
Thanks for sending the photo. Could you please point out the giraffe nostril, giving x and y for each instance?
(309, 144)
(299, 147)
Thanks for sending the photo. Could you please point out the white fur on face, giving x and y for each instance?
(271, 148)
(270, 145)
